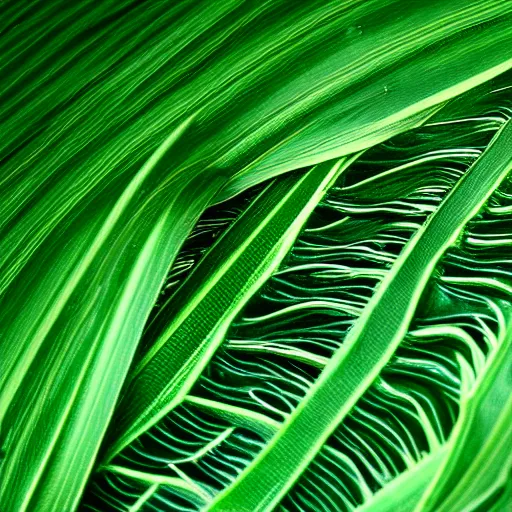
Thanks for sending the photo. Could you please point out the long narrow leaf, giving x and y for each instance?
(256, 243)
(65, 356)
(245, 67)
(371, 342)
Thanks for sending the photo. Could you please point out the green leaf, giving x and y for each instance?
(405, 491)
(480, 459)
(276, 87)
(369, 83)
(215, 292)
(504, 498)
(67, 346)
(371, 342)
(398, 431)
(474, 462)
(96, 201)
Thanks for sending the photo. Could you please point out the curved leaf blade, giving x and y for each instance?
(480, 459)
(70, 348)
(214, 293)
(370, 343)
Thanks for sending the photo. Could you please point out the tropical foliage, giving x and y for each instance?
(256, 256)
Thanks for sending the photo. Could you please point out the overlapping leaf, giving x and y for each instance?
(90, 91)
(79, 118)
(68, 339)
(213, 295)
(276, 353)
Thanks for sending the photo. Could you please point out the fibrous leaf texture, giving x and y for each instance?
(256, 256)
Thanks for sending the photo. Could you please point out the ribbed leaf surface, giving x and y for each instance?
(253, 255)
(358, 368)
